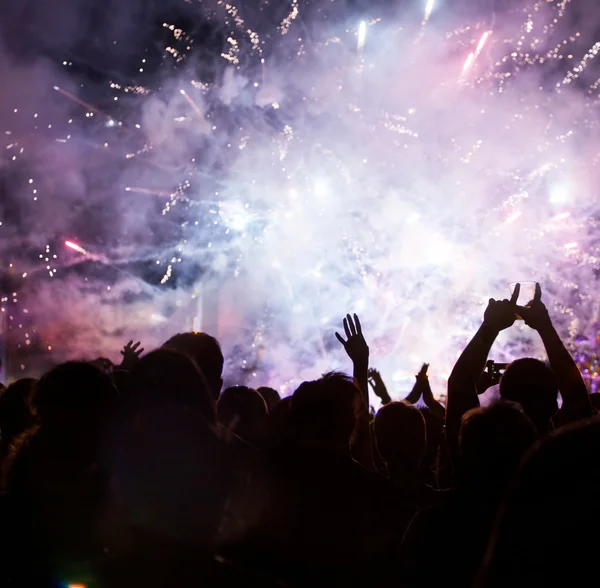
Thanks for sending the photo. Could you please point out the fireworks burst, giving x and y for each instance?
(407, 179)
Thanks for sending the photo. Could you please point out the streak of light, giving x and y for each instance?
(514, 216)
(482, 42)
(362, 36)
(192, 103)
(76, 247)
(468, 64)
(147, 191)
(77, 100)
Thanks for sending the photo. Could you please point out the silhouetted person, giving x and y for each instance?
(445, 544)
(180, 488)
(400, 435)
(243, 411)
(166, 376)
(527, 381)
(57, 485)
(329, 518)
(546, 532)
(206, 352)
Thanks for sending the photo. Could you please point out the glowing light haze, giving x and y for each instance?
(407, 177)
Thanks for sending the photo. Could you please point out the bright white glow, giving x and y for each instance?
(322, 188)
(235, 215)
(428, 9)
(362, 36)
(560, 193)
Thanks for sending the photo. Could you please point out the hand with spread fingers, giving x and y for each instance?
(355, 345)
(131, 355)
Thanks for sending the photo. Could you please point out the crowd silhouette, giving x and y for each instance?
(150, 474)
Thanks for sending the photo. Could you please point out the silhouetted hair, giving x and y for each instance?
(400, 433)
(243, 410)
(532, 384)
(325, 410)
(74, 390)
(166, 376)
(492, 442)
(271, 396)
(206, 352)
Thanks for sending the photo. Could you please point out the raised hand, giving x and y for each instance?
(131, 355)
(355, 345)
(488, 378)
(535, 314)
(421, 382)
(501, 314)
(379, 387)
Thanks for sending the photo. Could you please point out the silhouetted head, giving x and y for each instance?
(168, 377)
(271, 396)
(16, 409)
(206, 352)
(400, 435)
(244, 411)
(74, 392)
(323, 412)
(277, 431)
(530, 383)
(493, 440)
(546, 531)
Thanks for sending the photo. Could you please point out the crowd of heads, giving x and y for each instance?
(150, 472)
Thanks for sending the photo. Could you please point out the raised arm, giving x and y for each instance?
(462, 384)
(379, 387)
(358, 351)
(576, 403)
(432, 404)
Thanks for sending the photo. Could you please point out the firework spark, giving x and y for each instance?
(76, 247)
